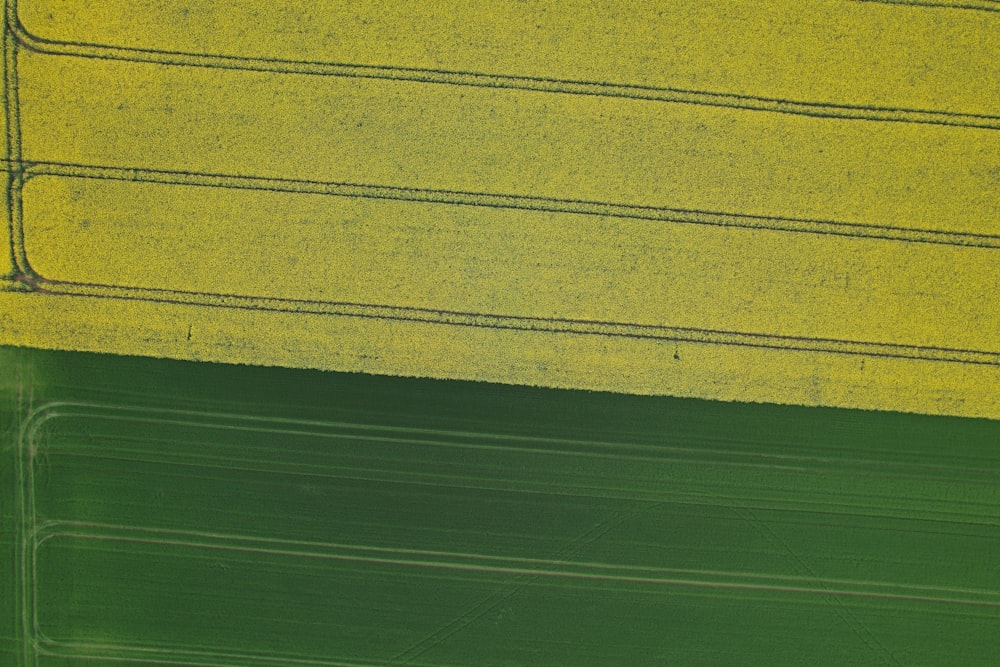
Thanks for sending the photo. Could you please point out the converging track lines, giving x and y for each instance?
(45, 286)
(517, 202)
(52, 285)
(502, 81)
(553, 568)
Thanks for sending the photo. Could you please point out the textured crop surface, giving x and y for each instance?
(169, 512)
(764, 202)
(752, 200)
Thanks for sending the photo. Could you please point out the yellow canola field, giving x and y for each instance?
(762, 201)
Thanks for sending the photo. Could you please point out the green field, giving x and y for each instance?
(166, 512)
